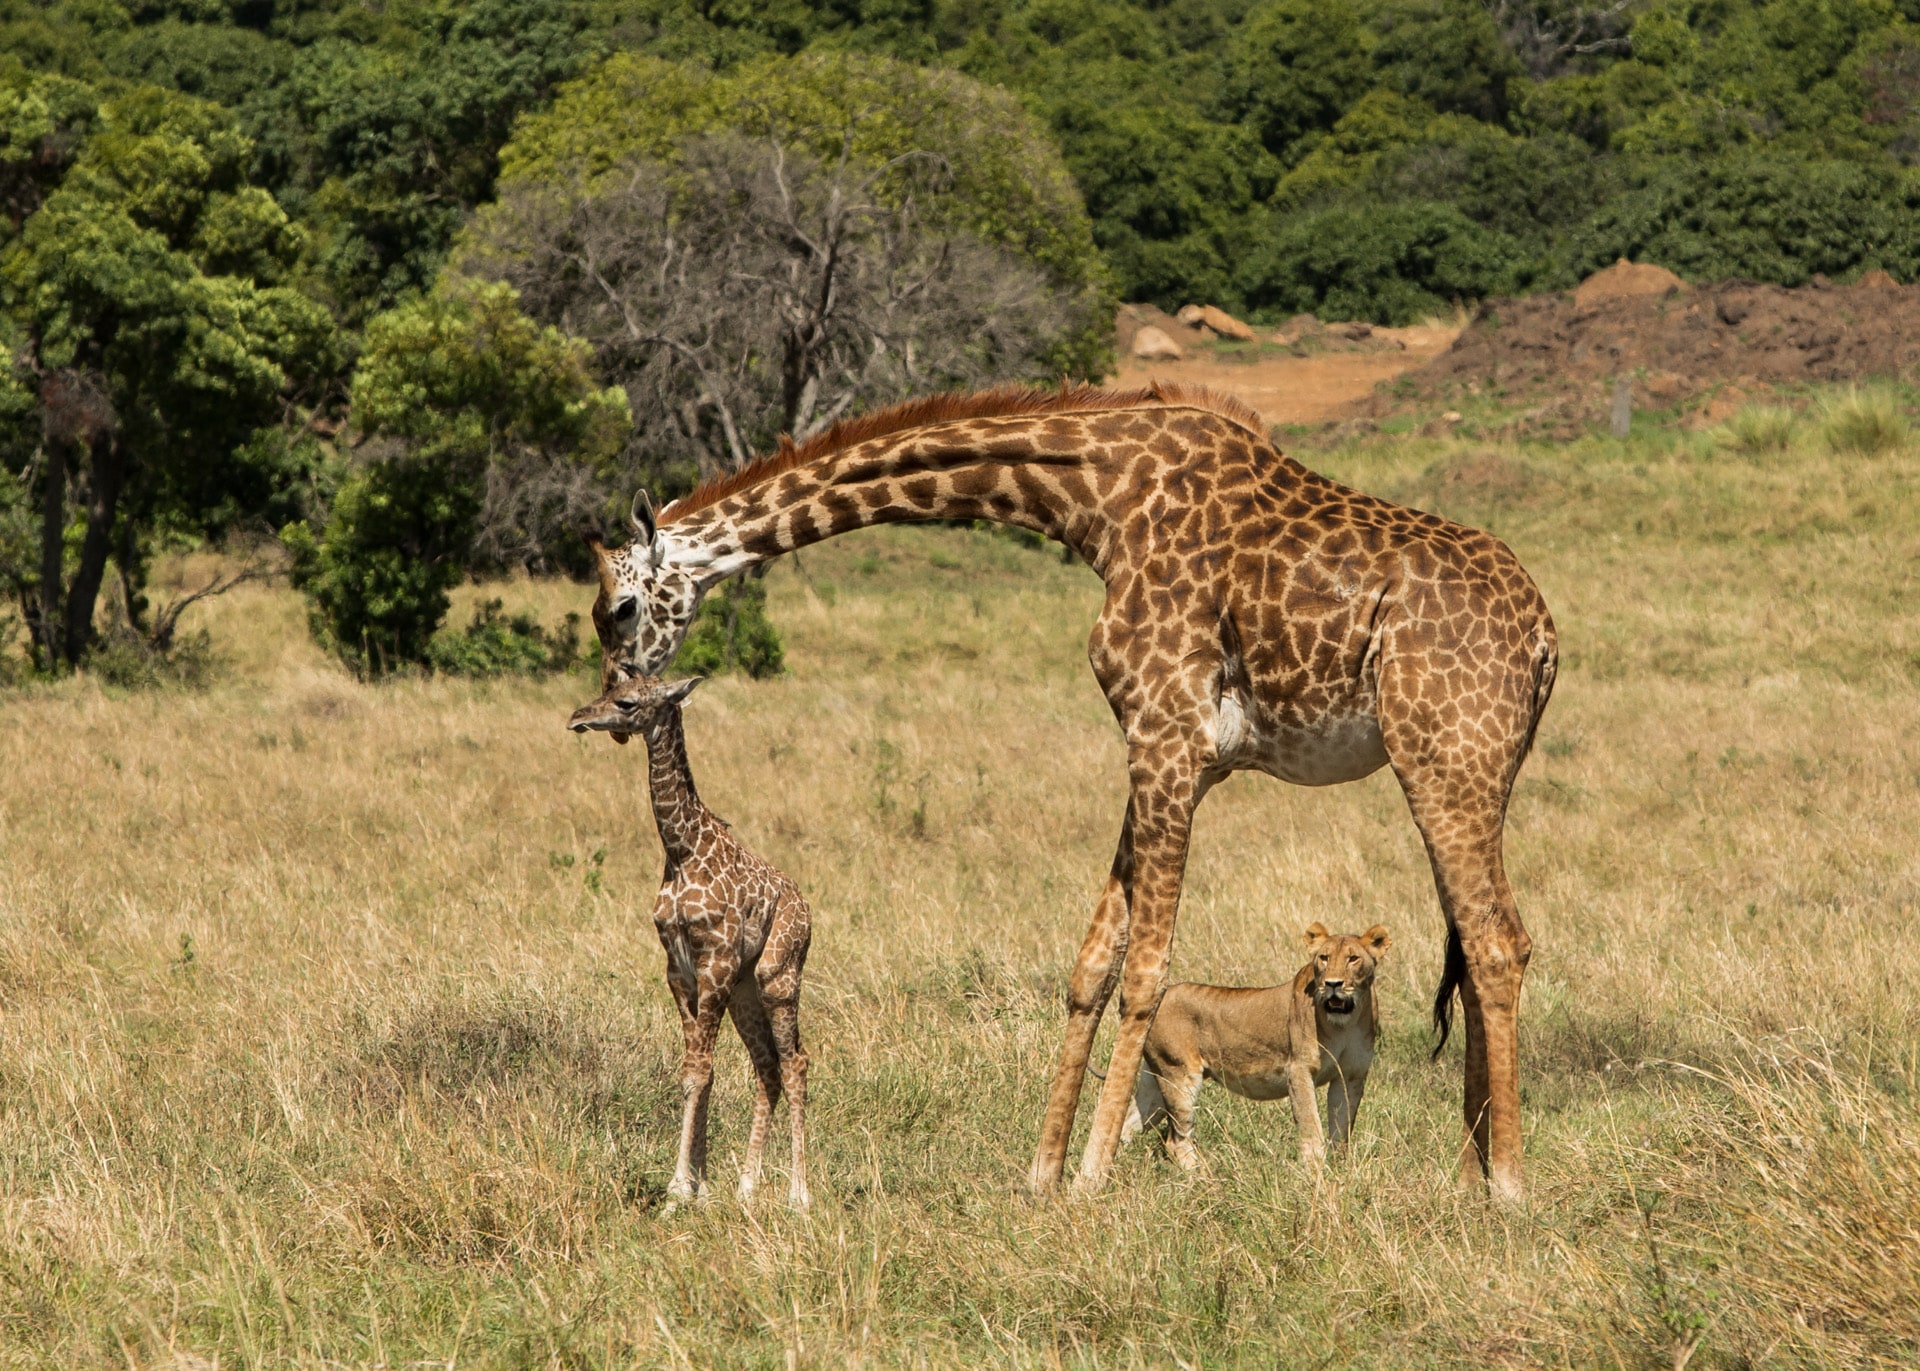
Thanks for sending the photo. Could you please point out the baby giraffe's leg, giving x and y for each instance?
(701, 1008)
(781, 964)
(750, 1018)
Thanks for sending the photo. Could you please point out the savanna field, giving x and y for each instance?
(333, 1030)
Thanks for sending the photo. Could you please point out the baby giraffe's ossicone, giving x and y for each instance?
(735, 930)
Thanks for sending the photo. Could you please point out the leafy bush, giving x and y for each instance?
(1867, 421)
(1758, 430)
(1760, 215)
(1387, 264)
(376, 576)
(493, 645)
(121, 657)
(732, 633)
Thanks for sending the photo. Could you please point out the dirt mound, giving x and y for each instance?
(1624, 280)
(1675, 344)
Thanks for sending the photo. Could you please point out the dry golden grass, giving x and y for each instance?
(329, 1036)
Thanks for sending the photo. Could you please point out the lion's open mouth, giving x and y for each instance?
(1339, 1004)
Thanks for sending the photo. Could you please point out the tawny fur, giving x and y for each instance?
(1282, 1040)
(736, 932)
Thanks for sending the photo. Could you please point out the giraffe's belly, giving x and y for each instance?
(1340, 746)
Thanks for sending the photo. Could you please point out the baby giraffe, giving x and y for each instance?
(736, 932)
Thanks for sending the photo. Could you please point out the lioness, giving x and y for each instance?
(1281, 1040)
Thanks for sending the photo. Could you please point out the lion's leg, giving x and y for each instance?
(1181, 1089)
(1343, 1106)
(1306, 1118)
(1149, 1108)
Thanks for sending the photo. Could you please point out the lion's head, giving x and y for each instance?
(1343, 966)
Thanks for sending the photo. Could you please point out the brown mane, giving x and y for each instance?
(948, 407)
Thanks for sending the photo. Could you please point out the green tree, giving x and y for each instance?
(154, 351)
(1296, 66)
(482, 433)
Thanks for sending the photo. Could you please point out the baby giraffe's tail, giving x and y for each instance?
(1452, 972)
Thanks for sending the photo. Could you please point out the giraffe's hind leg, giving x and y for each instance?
(778, 975)
(1457, 765)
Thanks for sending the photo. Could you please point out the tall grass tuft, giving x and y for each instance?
(1757, 431)
(1865, 420)
(1826, 1241)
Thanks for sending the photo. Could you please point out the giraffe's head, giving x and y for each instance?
(1343, 965)
(646, 601)
(631, 705)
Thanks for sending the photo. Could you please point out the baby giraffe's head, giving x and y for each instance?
(632, 705)
(1343, 965)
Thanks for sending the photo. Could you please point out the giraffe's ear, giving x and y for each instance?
(679, 690)
(646, 528)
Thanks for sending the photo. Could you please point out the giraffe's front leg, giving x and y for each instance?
(750, 1018)
(1094, 976)
(1166, 787)
(702, 1003)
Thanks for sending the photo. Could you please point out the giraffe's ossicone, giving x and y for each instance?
(1258, 616)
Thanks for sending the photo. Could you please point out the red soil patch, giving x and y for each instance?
(1674, 343)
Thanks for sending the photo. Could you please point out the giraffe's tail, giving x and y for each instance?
(1452, 972)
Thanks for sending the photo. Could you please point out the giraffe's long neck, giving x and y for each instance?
(1041, 472)
(677, 810)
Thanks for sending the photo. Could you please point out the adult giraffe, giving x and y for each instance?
(1258, 616)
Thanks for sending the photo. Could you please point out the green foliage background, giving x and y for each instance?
(220, 207)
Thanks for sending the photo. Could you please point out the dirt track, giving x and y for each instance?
(1325, 375)
(1703, 348)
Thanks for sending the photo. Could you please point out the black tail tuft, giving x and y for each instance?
(1453, 971)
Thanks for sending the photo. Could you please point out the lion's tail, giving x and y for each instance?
(1453, 971)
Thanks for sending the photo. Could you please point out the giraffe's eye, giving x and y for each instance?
(626, 609)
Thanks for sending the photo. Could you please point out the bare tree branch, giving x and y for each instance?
(749, 289)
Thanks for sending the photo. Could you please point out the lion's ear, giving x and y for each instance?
(1316, 933)
(1377, 940)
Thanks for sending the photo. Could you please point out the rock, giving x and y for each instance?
(1356, 331)
(1152, 345)
(1224, 324)
(1625, 279)
(1190, 315)
(1878, 280)
(1452, 416)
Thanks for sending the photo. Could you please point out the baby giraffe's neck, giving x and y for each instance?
(677, 811)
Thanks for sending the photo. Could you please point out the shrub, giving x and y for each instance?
(1865, 421)
(732, 633)
(376, 576)
(122, 657)
(493, 645)
(1758, 430)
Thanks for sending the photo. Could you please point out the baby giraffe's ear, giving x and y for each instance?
(1316, 933)
(1377, 940)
